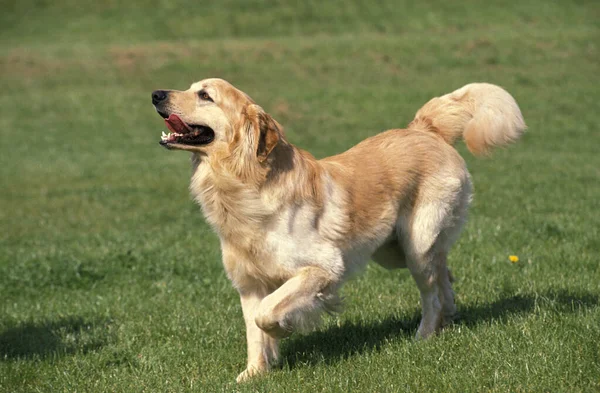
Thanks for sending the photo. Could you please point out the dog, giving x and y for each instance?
(293, 228)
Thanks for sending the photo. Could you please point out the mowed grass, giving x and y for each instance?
(110, 280)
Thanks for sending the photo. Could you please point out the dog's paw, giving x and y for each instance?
(248, 373)
(425, 332)
(274, 328)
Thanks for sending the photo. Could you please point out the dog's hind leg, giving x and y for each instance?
(423, 240)
(444, 278)
(425, 274)
(444, 242)
(298, 303)
(427, 236)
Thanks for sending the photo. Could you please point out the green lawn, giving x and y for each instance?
(110, 280)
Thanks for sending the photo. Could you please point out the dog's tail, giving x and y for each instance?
(484, 115)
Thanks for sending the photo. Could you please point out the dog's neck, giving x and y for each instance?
(240, 204)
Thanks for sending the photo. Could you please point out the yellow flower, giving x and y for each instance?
(513, 258)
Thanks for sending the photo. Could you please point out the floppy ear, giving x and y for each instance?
(265, 129)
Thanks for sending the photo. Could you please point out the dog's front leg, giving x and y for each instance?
(263, 350)
(298, 303)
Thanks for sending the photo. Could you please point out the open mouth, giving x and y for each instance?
(185, 134)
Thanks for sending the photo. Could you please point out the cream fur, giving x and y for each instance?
(293, 228)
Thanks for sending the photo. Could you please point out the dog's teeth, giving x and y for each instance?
(163, 134)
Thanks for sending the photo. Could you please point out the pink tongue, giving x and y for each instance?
(175, 124)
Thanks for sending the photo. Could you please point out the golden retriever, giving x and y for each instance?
(293, 228)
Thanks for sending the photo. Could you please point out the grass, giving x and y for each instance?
(110, 280)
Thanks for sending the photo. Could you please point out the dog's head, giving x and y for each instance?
(211, 116)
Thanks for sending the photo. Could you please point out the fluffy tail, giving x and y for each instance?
(484, 115)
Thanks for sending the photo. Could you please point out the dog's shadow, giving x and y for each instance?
(338, 342)
(58, 337)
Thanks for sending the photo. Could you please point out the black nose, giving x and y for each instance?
(158, 96)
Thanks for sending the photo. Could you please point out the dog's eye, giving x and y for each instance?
(204, 96)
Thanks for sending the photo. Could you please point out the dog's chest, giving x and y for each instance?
(276, 239)
(294, 238)
(288, 241)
